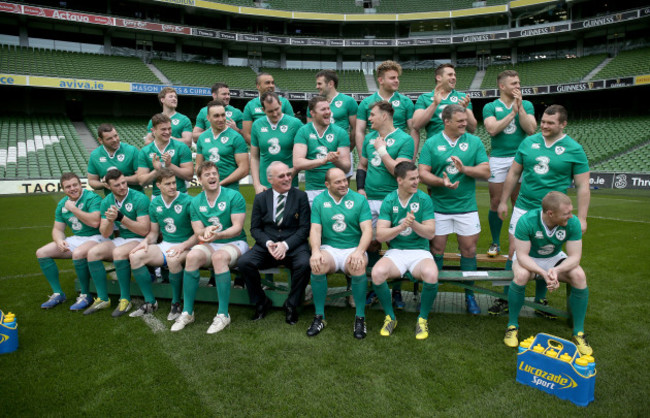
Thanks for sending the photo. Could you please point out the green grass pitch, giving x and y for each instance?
(71, 365)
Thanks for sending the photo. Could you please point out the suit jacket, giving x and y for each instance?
(295, 225)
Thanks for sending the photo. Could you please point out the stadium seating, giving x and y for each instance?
(411, 6)
(542, 72)
(424, 80)
(637, 161)
(205, 75)
(131, 130)
(305, 80)
(39, 147)
(45, 62)
(627, 63)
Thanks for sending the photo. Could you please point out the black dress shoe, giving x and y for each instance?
(291, 314)
(262, 310)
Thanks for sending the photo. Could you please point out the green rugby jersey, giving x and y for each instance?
(180, 154)
(402, 105)
(87, 202)
(436, 124)
(506, 142)
(232, 113)
(340, 221)
(392, 210)
(379, 181)
(134, 204)
(342, 107)
(254, 109)
(221, 150)
(227, 203)
(547, 168)
(125, 159)
(545, 243)
(173, 219)
(437, 153)
(275, 144)
(317, 148)
(180, 124)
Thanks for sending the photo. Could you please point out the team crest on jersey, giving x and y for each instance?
(284, 129)
(395, 209)
(535, 146)
(203, 208)
(390, 142)
(338, 103)
(159, 209)
(171, 152)
(329, 137)
(228, 114)
(175, 121)
(349, 204)
(539, 235)
(415, 206)
(561, 234)
(207, 140)
(120, 157)
(453, 99)
(259, 110)
(128, 207)
(312, 136)
(559, 150)
(178, 208)
(264, 129)
(395, 103)
(102, 159)
(224, 139)
(327, 205)
(64, 210)
(463, 146)
(222, 205)
(442, 148)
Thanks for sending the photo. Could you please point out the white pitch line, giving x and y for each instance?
(618, 219)
(154, 323)
(23, 276)
(26, 227)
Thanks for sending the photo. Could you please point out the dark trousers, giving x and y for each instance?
(258, 258)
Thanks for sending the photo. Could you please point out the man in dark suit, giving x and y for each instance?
(280, 224)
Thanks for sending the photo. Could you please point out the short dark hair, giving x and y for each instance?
(204, 166)
(329, 75)
(505, 74)
(441, 68)
(263, 73)
(384, 106)
(164, 173)
(404, 167)
(159, 118)
(213, 103)
(104, 127)
(388, 66)
(217, 86)
(112, 174)
(449, 111)
(314, 101)
(269, 97)
(559, 110)
(68, 176)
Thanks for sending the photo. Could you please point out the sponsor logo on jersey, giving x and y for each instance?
(535, 146)
(511, 128)
(546, 250)
(559, 150)
(498, 109)
(329, 137)
(222, 205)
(178, 208)
(463, 146)
(561, 234)
(312, 136)
(395, 103)
(207, 141)
(415, 207)
(128, 207)
(159, 209)
(284, 129)
(151, 155)
(121, 157)
(442, 148)
(224, 139)
(327, 205)
(539, 235)
(80, 206)
(102, 159)
(349, 204)
(264, 129)
(338, 103)
(390, 142)
(203, 208)
(175, 121)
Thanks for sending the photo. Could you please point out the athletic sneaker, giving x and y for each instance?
(511, 339)
(499, 307)
(182, 320)
(351, 302)
(389, 326)
(371, 298)
(543, 314)
(316, 326)
(583, 345)
(83, 301)
(398, 302)
(422, 329)
(97, 305)
(219, 322)
(123, 306)
(360, 331)
(54, 299)
(144, 309)
(471, 305)
(175, 312)
(494, 250)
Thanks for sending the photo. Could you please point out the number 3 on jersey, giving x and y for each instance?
(542, 167)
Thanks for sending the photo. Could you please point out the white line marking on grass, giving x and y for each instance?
(154, 323)
(620, 220)
(22, 276)
(26, 227)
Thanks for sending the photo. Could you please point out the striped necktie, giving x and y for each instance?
(279, 210)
